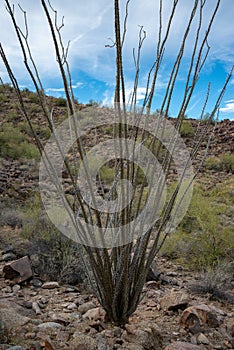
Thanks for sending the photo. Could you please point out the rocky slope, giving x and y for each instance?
(46, 315)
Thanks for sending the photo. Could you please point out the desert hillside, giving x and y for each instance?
(188, 295)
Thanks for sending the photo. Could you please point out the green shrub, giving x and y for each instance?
(205, 236)
(33, 97)
(222, 163)
(53, 255)
(61, 102)
(12, 116)
(3, 98)
(187, 130)
(213, 163)
(228, 162)
(41, 131)
(93, 103)
(5, 87)
(15, 144)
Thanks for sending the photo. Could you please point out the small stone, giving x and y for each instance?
(94, 314)
(60, 318)
(50, 285)
(72, 306)
(69, 290)
(41, 305)
(15, 288)
(27, 304)
(49, 325)
(7, 289)
(9, 256)
(171, 274)
(86, 306)
(43, 300)
(202, 339)
(35, 282)
(36, 308)
(174, 301)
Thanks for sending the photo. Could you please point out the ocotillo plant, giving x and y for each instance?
(122, 226)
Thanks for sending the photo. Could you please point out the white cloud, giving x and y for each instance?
(61, 89)
(229, 107)
(89, 24)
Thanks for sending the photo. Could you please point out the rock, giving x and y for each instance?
(49, 325)
(195, 316)
(36, 308)
(174, 301)
(18, 270)
(146, 334)
(95, 314)
(72, 306)
(202, 339)
(61, 318)
(9, 256)
(35, 282)
(7, 289)
(15, 288)
(81, 341)
(16, 347)
(50, 285)
(83, 308)
(178, 345)
(12, 319)
(27, 304)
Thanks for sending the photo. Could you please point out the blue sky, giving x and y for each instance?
(89, 25)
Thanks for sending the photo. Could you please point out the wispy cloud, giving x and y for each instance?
(229, 107)
(61, 89)
(89, 24)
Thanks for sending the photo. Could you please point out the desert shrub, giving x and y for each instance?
(11, 116)
(10, 216)
(205, 237)
(5, 87)
(53, 255)
(3, 98)
(213, 163)
(216, 282)
(61, 102)
(228, 162)
(33, 97)
(187, 129)
(93, 103)
(224, 162)
(42, 131)
(15, 144)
